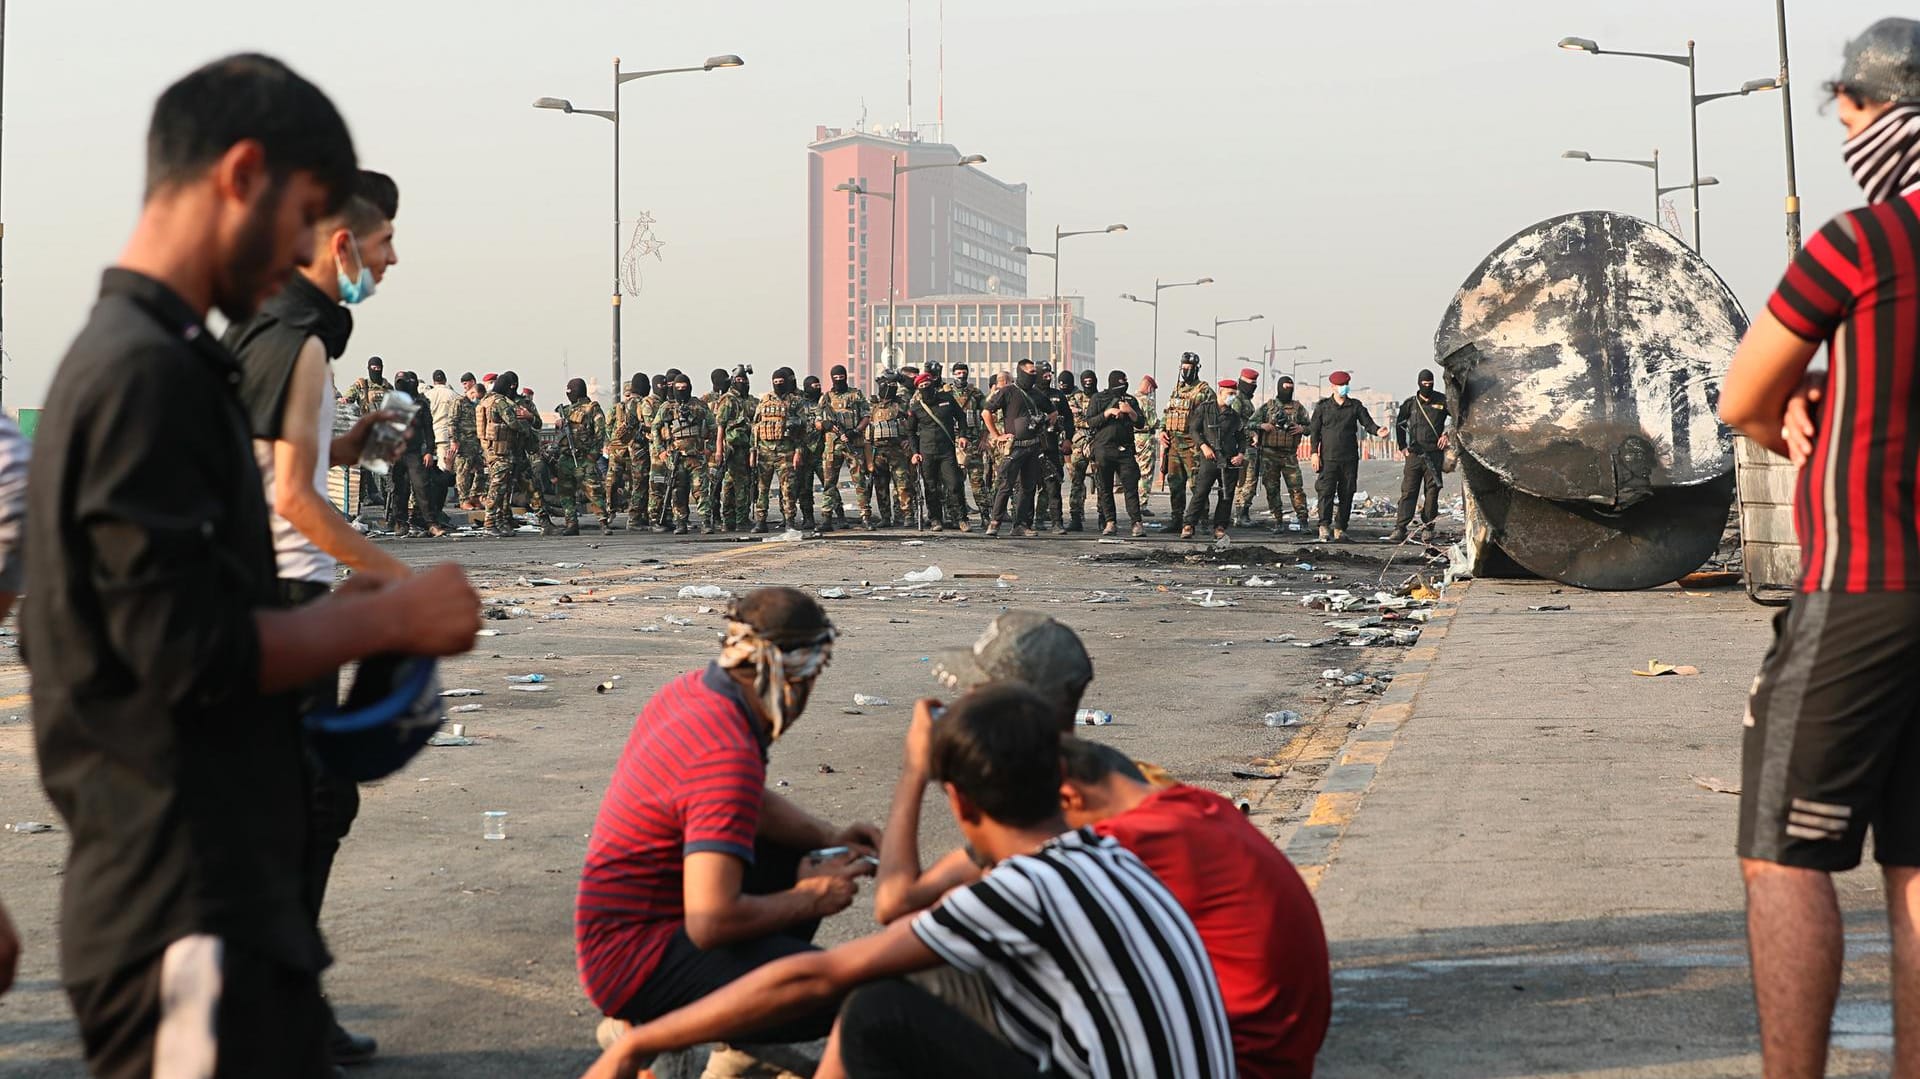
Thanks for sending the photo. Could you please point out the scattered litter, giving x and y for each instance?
(1205, 599)
(569, 565)
(1323, 578)
(551, 655)
(463, 709)
(913, 543)
(1257, 773)
(531, 689)
(784, 783)
(441, 739)
(951, 596)
(1258, 581)
(834, 592)
(864, 700)
(1304, 567)
(526, 679)
(924, 576)
(826, 769)
(1716, 784)
(1108, 539)
(791, 535)
(464, 692)
(1245, 806)
(1092, 717)
(649, 628)
(1551, 607)
(1107, 597)
(530, 530)
(1231, 567)
(704, 610)
(31, 827)
(1223, 543)
(607, 686)
(538, 582)
(1001, 584)
(1319, 642)
(1282, 639)
(1655, 669)
(705, 591)
(851, 712)
(486, 633)
(676, 620)
(1281, 718)
(555, 617)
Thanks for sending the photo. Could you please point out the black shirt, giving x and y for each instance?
(934, 422)
(1113, 435)
(1022, 411)
(1422, 419)
(1336, 428)
(1060, 426)
(183, 787)
(1222, 427)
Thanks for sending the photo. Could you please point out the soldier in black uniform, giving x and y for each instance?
(1421, 433)
(1113, 417)
(1054, 445)
(1220, 433)
(1335, 430)
(937, 428)
(1015, 415)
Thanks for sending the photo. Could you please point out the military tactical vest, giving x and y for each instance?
(770, 421)
(843, 409)
(970, 400)
(1180, 404)
(1081, 402)
(579, 418)
(889, 422)
(684, 428)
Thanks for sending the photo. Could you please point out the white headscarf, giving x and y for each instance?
(776, 670)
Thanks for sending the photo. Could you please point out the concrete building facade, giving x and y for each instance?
(989, 333)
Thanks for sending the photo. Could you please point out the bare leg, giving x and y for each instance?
(831, 1066)
(1796, 942)
(1903, 911)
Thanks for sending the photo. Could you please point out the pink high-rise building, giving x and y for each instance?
(957, 230)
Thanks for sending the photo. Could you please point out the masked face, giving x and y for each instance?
(1340, 392)
(782, 387)
(1089, 383)
(960, 378)
(683, 391)
(840, 383)
(1189, 373)
(1285, 391)
(887, 389)
(739, 387)
(358, 288)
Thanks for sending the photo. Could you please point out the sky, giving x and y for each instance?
(1338, 168)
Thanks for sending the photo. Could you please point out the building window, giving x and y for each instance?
(849, 215)
(849, 308)
(989, 316)
(1030, 316)
(969, 316)
(849, 271)
(849, 290)
(948, 316)
(849, 252)
(850, 233)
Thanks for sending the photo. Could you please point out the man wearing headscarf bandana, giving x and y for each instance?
(1829, 746)
(627, 453)
(697, 873)
(1421, 433)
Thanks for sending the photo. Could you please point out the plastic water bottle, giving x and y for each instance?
(385, 439)
(1283, 718)
(1092, 717)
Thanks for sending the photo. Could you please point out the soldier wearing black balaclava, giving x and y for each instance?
(1277, 427)
(843, 412)
(1054, 445)
(1016, 415)
(1113, 417)
(1080, 466)
(583, 434)
(812, 448)
(1420, 431)
(627, 453)
(1182, 456)
(779, 431)
(936, 430)
(888, 464)
(730, 480)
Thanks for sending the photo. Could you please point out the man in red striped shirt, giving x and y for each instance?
(696, 873)
(1832, 744)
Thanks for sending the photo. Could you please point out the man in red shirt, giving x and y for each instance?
(696, 873)
(1254, 914)
(1831, 741)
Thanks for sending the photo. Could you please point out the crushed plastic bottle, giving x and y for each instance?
(833, 592)
(386, 440)
(531, 689)
(1092, 717)
(925, 576)
(676, 620)
(30, 827)
(864, 700)
(705, 591)
(526, 679)
(791, 535)
(1282, 718)
(463, 709)
(463, 693)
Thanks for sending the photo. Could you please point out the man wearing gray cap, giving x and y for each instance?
(1829, 748)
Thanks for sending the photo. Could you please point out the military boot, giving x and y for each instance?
(1078, 524)
(606, 527)
(573, 527)
(759, 526)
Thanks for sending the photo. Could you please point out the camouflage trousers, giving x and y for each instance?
(1145, 449)
(850, 454)
(679, 481)
(578, 476)
(773, 465)
(804, 485)
(975, 466)
(1278, 469)
(470, 475)
(1080, 475)
(1181, 469)
(891, 467)
(730, 489)
(510, 475)
(1249, 482)
(1053, 468)
(627, 469)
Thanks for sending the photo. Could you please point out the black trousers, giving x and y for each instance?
(687, 973)
(1212, 472)
(1052, 469)
(332, 802)
(1421, 476)
(1020, 469)
(946, 487)
(1122, 467)
(1335, 489)
(894, 1028)
(407, 504)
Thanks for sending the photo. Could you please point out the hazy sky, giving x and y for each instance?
(1337, 167)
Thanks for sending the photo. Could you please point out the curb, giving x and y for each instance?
(1316, 840)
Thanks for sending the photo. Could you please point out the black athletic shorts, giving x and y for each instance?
(1833, 734)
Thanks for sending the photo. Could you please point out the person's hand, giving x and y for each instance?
(1003, 440)
(1442, 442)
(1238, 460)
(1314, 461)
(1164, 440)
(962, 443)
(1401, 456)
(619, 1062)
(354, 442)
(9, 952)
(1266, 427)
(796, 459)
(916, 458)
(920, 735)
(1798, 426)
(862, 837)
(1207, 450)
(830, 885)
(437, 613)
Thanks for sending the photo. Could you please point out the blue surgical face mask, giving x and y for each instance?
(1339, 391)
(356, 289)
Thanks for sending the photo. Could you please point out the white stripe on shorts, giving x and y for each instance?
(186, 1046)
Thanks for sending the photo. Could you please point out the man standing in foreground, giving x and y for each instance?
(1092, 967)
(1113, 418)
(1278, 425)
(162, 660)
(1217, 428)
(1830, 746)
(1421, 433)
(1335, 430)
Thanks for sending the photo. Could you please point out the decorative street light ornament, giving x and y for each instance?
(1584, 359)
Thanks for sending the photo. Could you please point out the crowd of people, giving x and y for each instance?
(928, 450)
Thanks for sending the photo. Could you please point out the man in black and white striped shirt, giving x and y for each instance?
(1094, 969)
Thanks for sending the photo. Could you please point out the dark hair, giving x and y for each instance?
(467, 377)
(407, 383)
(1083, 761)
(781, 614)
(379, 189)
(242, 97)
(1000, 746)
(439, 376)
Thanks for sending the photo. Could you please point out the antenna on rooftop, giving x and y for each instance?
(940, 102)
(909, 66)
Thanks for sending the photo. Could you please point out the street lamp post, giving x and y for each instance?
(1267, 358)
(1695, 99)
(1786, 117)
(893, 228)
(1650, 163)
(713, 63)
(1215, 337)
(1155, 304)
(1061, 355)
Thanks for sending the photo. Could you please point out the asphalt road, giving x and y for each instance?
(457, 952)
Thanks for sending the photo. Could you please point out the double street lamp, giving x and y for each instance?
(893, 228)
(1215, 337)
(1061, 356)
(713, 63)
(1267, 358)
(1154, 303)
(1645, 163)
(1695, 99)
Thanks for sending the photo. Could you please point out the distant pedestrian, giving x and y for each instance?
(1831, 745)
(1338, 421)
(442, 404)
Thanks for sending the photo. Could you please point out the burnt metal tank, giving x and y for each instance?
(1583, 360)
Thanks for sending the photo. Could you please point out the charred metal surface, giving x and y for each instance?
(1585, 356)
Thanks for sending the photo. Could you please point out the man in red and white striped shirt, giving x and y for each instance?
(1832, 739)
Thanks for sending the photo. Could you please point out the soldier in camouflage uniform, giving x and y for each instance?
(627, 452)
(973, 459)
(1181, 465)
(1277, 427)
(813, 448)
(503, 423)
(364, 396)
(1055, 441)
(685, 445)
(779, 427)
(470, 459)
(888, 459)
(649, 411)
(1146, 440)
(583, 434)
(843, 412)
(732, 485)
(1080, 470)
(1250, 471)
(709, 507)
